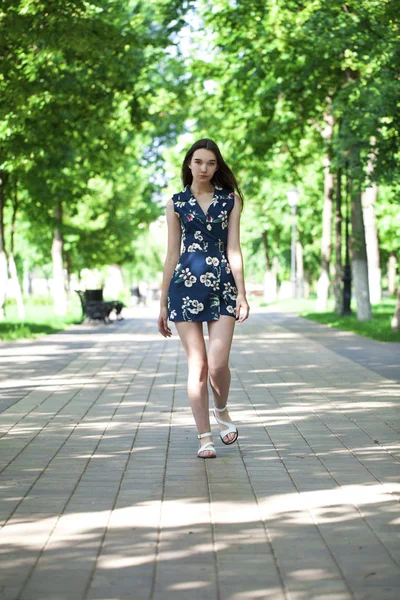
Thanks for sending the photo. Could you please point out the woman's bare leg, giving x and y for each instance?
(220, 340)
(192, 338)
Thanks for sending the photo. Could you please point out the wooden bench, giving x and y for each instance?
(94, 308)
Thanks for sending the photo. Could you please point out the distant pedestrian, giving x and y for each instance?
(135, 293)
(143, 291)
(205, 282)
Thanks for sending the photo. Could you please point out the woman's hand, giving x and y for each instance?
(163, 323)
(242, 308)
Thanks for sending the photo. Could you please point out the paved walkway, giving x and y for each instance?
(103, 498)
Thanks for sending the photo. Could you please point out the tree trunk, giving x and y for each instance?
(68, 267)
(16, 286)
(359, 265)
(269, 283)
(27, 279)
(369, 198)
(59, 294)
(3, 255)
(326, 240)
(274, 270)
(300, 270)
(337, 286)
(391, 273)
(264, 238)
(3, 283)
(11, 261)
(120, 272)
(396, 316)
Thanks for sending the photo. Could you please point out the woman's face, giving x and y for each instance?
(203, 165)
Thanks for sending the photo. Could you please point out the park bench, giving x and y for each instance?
(94, 308)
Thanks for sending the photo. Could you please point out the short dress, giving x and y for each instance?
(202, 286)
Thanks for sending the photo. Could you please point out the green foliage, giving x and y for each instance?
(388, 215)
(265, 83)
(98, 104)
(280, 65)
(89, 96)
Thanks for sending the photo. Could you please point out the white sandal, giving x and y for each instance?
(209, 446)
(231, 427)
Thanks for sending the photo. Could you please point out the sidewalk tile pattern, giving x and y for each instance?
(103, 496)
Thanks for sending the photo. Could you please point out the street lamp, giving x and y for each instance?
(293, 200)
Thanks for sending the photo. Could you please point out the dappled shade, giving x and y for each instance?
(103, 494)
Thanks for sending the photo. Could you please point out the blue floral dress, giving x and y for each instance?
(202, 286)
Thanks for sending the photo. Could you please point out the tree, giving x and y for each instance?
(3, 255)
(284, 65)
(76, 91)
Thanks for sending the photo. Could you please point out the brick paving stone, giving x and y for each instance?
(102, 496)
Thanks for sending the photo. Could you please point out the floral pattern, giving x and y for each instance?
(186, 276)
(209, 280)
(212, 260)
(202, 286)
(194, 247)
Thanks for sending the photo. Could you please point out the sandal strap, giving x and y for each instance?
(206, 446)
(221, 422)
(220, 409)
(203, 435)
(231, 429)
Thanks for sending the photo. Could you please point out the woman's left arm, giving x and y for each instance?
(235, 259)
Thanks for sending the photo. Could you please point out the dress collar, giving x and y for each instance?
(218, 192)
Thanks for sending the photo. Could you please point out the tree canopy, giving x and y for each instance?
(99, 99)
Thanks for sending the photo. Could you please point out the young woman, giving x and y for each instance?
(205, 282)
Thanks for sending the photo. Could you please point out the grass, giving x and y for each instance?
(378, 328)
(40, 320)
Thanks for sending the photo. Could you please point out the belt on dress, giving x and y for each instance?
(219, 244)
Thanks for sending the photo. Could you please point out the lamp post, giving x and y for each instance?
(293, 200)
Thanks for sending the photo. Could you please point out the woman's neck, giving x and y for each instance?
(198, 187)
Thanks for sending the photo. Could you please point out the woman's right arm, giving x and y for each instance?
(171, 260)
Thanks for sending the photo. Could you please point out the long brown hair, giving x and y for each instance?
(223, 176)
